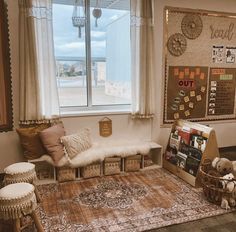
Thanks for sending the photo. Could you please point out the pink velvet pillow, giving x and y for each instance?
(50, 138)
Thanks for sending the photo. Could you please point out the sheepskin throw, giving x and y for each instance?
(98, 152)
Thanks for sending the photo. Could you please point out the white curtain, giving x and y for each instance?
(38, 87)
(142, 58)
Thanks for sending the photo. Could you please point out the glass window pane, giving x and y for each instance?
(69, 43)
(110, 53)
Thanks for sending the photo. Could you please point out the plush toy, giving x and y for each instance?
(234, 167)
(229, 186)
(223, 165)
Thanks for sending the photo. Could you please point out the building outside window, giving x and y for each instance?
(93, 59)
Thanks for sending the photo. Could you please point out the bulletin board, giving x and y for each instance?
(200, 65)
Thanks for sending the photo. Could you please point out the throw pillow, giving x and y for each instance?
(50, 138)
(30, 141)
(76, 143)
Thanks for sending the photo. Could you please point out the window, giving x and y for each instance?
(93, 60)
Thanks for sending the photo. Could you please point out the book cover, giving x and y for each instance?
(181, 159)
(192, 165)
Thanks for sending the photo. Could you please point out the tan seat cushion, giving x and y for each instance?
(30, 141)
(50, 138)
(77, 143)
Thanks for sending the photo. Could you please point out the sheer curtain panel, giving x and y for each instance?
(142, 58)
(38, 88)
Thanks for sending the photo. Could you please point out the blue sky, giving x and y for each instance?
(66, 40)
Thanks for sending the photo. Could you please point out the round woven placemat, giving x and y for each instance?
(177, 44)
(191, 26)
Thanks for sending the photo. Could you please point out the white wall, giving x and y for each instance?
(123, 126)
(225, 131)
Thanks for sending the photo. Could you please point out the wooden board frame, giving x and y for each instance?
(6, 115)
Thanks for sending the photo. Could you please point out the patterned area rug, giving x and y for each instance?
(128, 202)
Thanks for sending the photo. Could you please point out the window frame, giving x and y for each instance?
(90, 109)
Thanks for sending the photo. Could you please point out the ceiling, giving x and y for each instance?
(110, 4)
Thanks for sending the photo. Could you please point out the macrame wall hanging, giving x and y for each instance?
(78, 17)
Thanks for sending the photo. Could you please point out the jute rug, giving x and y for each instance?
(128, 202)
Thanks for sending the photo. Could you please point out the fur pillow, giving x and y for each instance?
(76, 143)
(50, 138)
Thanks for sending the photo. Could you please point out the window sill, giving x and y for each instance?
(66, 114)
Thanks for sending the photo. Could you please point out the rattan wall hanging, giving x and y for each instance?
(105, 127)
(177, 44)
(191, 26)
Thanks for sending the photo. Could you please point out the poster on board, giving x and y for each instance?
(187, 92)
(221, 94)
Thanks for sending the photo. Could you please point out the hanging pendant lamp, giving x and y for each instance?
(78, 17)
(97, 13)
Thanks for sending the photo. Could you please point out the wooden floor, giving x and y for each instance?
(222, 223)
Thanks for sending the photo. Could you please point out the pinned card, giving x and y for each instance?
(191, 105)
(181, 107)
(192, 74)
(203, 89)
(187, 113)
(181, 75)
(192, 93)
(199, 97)
(186, 99)
(176, 115)
(198, 71)
(202, 76)
(176, 71)
(186, 71)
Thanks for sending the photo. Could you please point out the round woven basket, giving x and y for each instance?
(212, 184)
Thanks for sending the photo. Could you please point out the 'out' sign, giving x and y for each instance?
(186, 83)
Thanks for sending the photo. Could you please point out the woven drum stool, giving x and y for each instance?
(21, 172)
(16, 201)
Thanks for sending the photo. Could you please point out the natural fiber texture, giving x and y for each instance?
(29, 177)
(127, 202)
(66, 174)
(20, 205)
(91, 170)
(77, 143)
(20, 172)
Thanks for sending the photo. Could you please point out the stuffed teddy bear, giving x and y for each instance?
(230, 186)
(234, 167)
(224, 166)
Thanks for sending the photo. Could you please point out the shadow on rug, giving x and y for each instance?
(130, 202)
